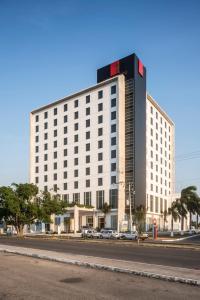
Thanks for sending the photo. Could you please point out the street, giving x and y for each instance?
(25, 278)
(178, 257)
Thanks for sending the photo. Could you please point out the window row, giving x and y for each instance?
(76, 103)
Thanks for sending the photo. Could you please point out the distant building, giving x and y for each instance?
(90, 145)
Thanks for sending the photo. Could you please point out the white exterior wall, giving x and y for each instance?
(160, 151)
(94, 138)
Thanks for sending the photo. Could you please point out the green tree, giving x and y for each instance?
(139, 216)
(182, 211)
(173, 212)
(106, 208)
(191, 199)
(21, 205)
(164, 214)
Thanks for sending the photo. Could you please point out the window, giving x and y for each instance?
(55, 166)
(46, 136)
(87, 99)
(76, 198)
(65, 152)
(113, 89)
(161, 205)
(66, 197)
(76, 150)
(45, 125)
(156, 205)
(113, 115)
(113, 153)
(55, 144)
(100, 144)
(37, 128)
(87, 111)
(87, 147)
(151, 203)
(45, 188)
(55, 133)
(100, 181)
(65, 129)
(87, 159)
(100, 131)
(36, 169)
(76, 103)
(87, 198)
(65, 164)
(55, 187)
(55, 176)
(45, 168)
(87, 171)
(113, 179)
(65, 119)
(100, 169)
(76, 161)
(100, 119)
(36, 118)
(45, 178)
(100, 199)
(55, 154)
(87, 123)
(113, 128)
(100, 94)
(36, 149)
(113, 198)
(87, 183)
(45, 146)
(113, 167)
(76, 173)
(113, 102)
(113, 141)
(76, 138)
(65, 107)
(76, 115)
(100, 156)
(36, 180)
(46, 114)
(65, 141)
(65, 187)
(37, 138)
(55, 111)
(45, 157)
(76, 184)
(100, 106)
(65, 175)
(87, 135)
(76, 126)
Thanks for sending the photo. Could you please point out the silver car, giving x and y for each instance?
(129, 235)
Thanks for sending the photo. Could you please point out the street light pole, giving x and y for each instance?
(130, 207)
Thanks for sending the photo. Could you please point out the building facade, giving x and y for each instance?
(92, 146)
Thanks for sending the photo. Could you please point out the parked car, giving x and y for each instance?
(109, 234)
(91, 233)
(193, 230)
(84, 230)
(129, 235)
(143, 236)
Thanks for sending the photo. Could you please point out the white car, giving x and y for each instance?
(129, 235)
(109, 234)
(91, 233)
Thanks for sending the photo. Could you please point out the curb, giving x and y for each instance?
(107, 268)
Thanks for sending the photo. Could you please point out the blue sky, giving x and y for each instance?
(49, 49)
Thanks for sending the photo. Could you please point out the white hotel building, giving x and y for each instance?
(88, 146)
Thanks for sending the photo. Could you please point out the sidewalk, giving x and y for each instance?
(183, 275)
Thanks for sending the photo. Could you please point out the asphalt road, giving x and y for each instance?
(24, 278)
(178, 257)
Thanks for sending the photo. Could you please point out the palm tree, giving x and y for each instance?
(165, 213)
(106, 208)
(139, 215)
(190, 198)
(197, 213)
(173, 212)
(182, 211)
